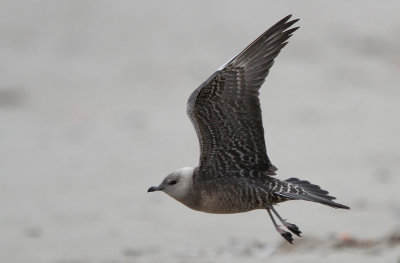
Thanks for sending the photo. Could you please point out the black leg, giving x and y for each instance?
(286, 235)
(292, 227)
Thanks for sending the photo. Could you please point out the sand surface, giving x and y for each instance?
(92, 113)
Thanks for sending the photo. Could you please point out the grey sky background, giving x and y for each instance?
(92, 112)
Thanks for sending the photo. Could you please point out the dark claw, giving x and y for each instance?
(294, 229)
(286, 235)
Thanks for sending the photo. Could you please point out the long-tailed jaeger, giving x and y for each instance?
(235, 174)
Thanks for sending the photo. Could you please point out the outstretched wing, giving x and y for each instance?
(225, 109)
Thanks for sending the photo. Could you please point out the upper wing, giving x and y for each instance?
(225, 109)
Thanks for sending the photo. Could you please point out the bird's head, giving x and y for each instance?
(177, 184)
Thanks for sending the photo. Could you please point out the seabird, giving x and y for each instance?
(235, 174)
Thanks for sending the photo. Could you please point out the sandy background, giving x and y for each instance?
(92, 113)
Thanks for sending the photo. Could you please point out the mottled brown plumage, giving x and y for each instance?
(234, 173)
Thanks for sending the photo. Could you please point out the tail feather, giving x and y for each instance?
(314, 193)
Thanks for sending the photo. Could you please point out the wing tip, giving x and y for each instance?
(284, 25)
(286, 21)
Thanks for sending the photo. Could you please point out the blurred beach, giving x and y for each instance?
(92, 112)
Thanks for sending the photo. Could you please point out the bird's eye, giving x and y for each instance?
(172, 182)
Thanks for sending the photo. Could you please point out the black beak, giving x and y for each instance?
(153, 189)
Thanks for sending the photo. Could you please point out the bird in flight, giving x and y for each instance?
(234, 174)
